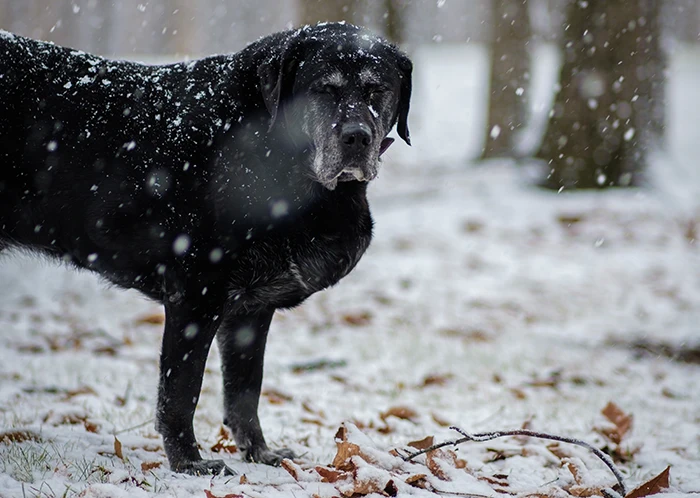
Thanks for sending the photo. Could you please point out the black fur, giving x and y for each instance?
(224, 188)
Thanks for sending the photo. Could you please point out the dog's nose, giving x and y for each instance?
(356, 137)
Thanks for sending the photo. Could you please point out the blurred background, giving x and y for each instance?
(587, 87)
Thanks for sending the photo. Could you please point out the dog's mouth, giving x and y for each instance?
(358, 172)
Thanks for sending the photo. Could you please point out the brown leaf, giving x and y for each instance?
(575, 471)
(346, 450)
(363, 484)
(495, 480)
(440, 421)
(276, 397)
(146, 466)
(652, 486)
(328, 475)
(621, 420)
(118, 448)
(243, 479)
(90, 426)
(422, 444)
(417, 481)
(152, 319)
(391, 489)
(307, 407)
(402, 412)
(77, 392)
(224, 444)
(558, 451)
(291, 468)
(436, 380)
(19, 436)
(583, 491)
(432, 461)
(569, 219)
(357, 319)
(209, 494)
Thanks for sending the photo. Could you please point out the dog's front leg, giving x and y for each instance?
(189, 332)
(242, 346)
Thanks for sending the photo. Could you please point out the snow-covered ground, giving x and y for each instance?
(482, 302)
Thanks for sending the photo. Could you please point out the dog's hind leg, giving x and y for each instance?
(189, 331)
(242, 346)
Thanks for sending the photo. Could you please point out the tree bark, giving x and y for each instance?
(510, 66)
(609, 106)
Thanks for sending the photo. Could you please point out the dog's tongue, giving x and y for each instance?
(386, 143)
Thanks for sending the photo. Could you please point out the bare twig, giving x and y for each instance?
(487, 436)
(129, 429)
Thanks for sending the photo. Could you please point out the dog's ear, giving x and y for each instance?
(277, 74)
(406, 68)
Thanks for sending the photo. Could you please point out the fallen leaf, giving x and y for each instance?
(152, 319)
(290, 468)
(276, 397)
(417, 481)
(358, 319)
(402, 412)
(328, 475)
(19, 436)
(576, 472)
(77, 392)
(440, 421)
(436, 380)
(569, 219)
(243, 479)
(90, 426)
(209, 494)
(118, 448)
(346, 450)
(621, 421)
(432, 461)
(224, 444)
(422, 444)
(146, 466)
(652, 486)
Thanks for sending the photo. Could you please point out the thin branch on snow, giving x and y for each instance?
(128, 429)
(487, 436)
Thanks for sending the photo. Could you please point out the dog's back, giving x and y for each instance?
(95, 153)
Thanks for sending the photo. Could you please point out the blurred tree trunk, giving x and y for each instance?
(510, 66)
(314, 11)
(610, 102)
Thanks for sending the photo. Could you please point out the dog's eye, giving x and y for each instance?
(375, 91)
(329, 90)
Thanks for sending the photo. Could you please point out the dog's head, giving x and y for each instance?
(339, 90)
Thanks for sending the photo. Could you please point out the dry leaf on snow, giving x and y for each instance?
(329, 475)
(152, 319)
(622, 423)
(146, 466)
(118, 448)
(209, 494)
(224, 443)
(346, 450)
(402, 412)
(422, 444)
(652, 486)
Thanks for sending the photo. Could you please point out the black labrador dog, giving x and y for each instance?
(224, 188)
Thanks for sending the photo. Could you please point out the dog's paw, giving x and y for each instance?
(269, 457)
(204, 467)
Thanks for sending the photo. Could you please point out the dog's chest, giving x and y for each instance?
(289, 271)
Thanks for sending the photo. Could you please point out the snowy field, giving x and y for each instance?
(482, 303)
